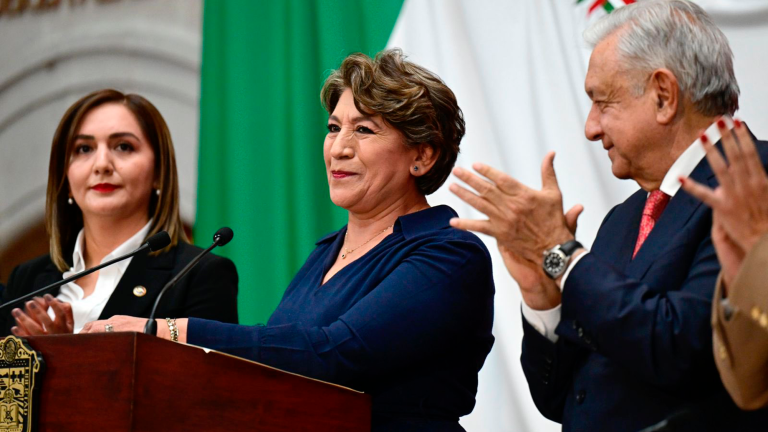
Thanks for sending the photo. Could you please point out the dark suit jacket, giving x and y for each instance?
(209, 290)
(635, 342)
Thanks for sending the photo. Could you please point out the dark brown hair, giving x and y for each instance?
(64, 221)
(410, 98)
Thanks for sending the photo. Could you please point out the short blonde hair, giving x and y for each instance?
(64, 221)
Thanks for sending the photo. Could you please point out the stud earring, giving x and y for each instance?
(70, 201)
(157, 192)
(415, 168)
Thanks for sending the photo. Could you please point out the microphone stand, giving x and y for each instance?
(218, 239)
(72, 278)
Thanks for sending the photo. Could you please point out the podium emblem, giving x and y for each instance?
(21, 370)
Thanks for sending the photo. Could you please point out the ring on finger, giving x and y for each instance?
(108, 328)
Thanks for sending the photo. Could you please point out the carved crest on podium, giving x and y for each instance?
(21, 370)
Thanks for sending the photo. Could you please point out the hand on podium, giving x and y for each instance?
(123, 323)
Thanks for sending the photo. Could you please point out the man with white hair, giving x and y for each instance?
(618, 338)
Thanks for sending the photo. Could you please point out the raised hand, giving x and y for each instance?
(524, 221)
(740, 202)
(521, 219)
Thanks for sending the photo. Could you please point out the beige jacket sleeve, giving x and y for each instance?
(740, 331)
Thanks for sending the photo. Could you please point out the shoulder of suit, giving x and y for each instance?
(35, 266)
(762, 150)
(633, 199)
(24, 276)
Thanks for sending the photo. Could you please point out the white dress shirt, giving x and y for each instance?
(87, 309)
(546, 321)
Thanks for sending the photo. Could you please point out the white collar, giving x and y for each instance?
(687, 162)
(78, 261)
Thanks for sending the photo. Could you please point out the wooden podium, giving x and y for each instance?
(119, 382)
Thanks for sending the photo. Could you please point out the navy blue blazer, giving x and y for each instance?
(409, 323)
(635, 341)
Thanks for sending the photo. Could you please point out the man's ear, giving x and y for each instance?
(666, 93)
(425, 159)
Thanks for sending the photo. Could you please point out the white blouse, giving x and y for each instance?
(87, 309)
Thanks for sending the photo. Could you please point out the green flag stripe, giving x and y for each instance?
(261, 168)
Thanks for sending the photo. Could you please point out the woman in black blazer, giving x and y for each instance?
(112, 183)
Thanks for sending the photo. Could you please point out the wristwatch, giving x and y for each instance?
(556, 259)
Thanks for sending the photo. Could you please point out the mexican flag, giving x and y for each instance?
(517, 68)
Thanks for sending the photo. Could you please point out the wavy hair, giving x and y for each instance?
(412, 99)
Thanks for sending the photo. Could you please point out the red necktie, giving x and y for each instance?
(654, 205)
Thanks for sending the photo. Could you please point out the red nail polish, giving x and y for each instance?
(721, 124)
(681, 179)
(737, 123)
(704, 139)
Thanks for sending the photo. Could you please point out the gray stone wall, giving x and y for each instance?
(54, 52)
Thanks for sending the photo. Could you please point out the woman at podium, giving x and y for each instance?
(112, 183)
(397, 303)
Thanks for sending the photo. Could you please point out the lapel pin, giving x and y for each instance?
(139, 291)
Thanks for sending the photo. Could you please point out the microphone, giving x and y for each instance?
(222, 237)
(154, 243)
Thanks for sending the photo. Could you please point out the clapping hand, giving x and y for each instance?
(35, 321)
(524, 221)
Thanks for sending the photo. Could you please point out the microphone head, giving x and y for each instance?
(159, 241)
(223, 236)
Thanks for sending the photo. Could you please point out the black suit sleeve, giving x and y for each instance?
(6, 320)
(212, 290)
(21, 282)
(548, 367)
